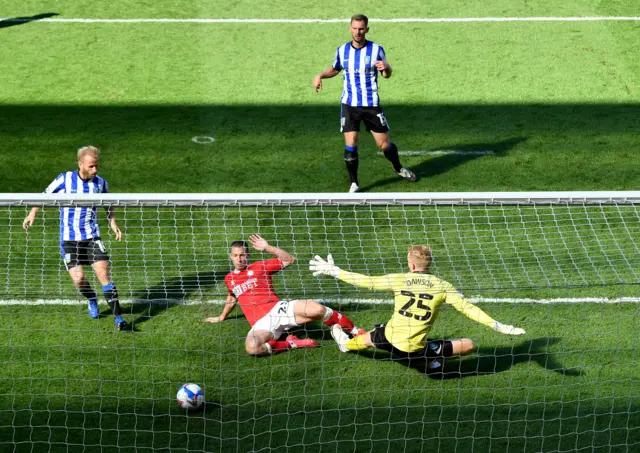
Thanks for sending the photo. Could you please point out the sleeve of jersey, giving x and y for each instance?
(381, 283)
(467, 308)
(381, 54)
(272, 266)
(106, 187)
(227, 282)
(56, 186)
(337, 65)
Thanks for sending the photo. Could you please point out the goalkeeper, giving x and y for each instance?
(419, 296)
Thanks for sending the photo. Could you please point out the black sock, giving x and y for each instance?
(351, 161)
(86, 291)
(392, 156)
(111, 294)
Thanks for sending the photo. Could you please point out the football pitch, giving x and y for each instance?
(193, 97)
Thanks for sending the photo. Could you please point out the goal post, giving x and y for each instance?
(565, 266)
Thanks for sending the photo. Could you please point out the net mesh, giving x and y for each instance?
(72, 383)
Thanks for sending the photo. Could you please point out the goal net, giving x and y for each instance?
(564, 266)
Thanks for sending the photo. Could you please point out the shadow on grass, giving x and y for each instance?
(444, 163)
(298, 149)
(13, 21)
(168, 293)
(488, 361)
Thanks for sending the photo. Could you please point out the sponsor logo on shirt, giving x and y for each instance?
(238, 290)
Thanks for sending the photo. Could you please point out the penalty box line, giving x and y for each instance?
(63, 20)
(363, 301)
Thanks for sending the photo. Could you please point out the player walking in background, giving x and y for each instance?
(361, 61)
(251, 286)
(419, 296)
(80, 241)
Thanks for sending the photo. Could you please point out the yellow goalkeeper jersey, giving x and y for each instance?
(418, 300)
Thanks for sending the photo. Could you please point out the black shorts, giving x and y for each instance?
(80, 253)
(434, 349)
(373, 118)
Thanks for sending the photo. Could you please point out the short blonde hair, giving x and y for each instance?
(88, 150)
(420, 255)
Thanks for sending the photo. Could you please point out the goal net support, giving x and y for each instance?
(565, 266)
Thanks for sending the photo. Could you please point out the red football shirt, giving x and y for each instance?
(253, 288)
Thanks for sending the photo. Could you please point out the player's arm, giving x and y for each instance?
(382, 64)
(229, 305)
(111, 215)
(321, 267)
(326, 74)
(263, 246)
(384, 67)
(30, 218)
(476, 314)
(56, 186)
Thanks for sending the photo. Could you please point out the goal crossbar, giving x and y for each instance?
(422, 198)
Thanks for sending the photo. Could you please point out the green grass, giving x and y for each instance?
(90, 386)
(557, 101)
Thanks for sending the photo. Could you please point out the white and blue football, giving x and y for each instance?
(190, 396)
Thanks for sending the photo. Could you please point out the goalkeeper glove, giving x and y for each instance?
(321, 267)
(507, 329)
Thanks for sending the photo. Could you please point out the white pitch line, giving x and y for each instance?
(475, 300)
(325, 21)
(440, 152)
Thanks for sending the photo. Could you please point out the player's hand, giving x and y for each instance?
(507, 329)
(258, 243)
(321, 267)
(28, 221)
(381, 65)
(213, 319)
(317, 83)
(116, 230)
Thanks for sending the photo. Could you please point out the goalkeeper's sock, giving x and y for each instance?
(356, 344)
(111, 294)
(332, 317)
(351, 161)
(391, 155)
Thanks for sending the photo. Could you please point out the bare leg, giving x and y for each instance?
(256, 342)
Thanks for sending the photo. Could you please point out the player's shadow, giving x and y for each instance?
(497, 360)
(489, 360)
(157, 299)
(446, 162)
(13, 21)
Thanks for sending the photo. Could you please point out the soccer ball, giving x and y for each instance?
(190, 396)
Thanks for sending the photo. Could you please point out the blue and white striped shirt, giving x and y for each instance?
(360, 88)
(78, 224)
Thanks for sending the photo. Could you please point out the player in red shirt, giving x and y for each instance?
(251, 287)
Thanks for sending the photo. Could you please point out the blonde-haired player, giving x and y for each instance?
(80, 241)
(418, 296)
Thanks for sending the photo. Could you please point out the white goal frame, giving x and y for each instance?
(250, 199)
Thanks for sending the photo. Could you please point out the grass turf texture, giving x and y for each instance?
(567, 385)
(558, 102)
